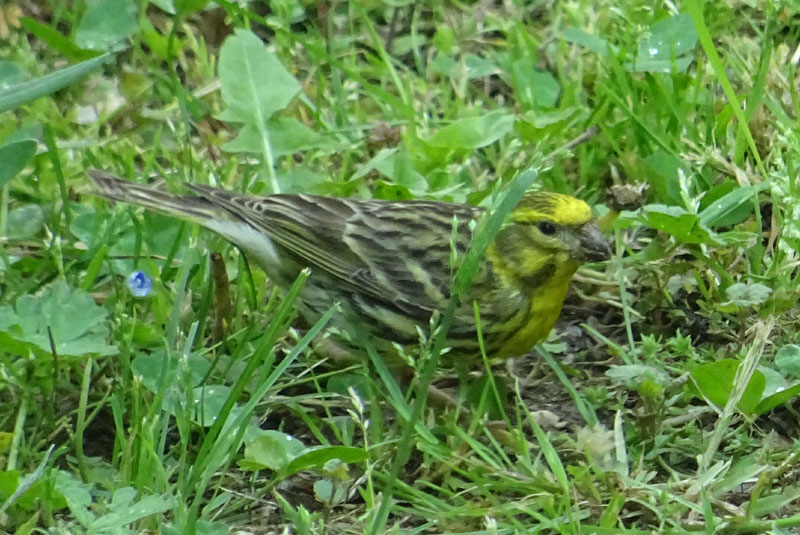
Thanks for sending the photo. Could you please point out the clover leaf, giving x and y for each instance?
(76, 322)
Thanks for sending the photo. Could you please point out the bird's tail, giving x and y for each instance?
(190, 208)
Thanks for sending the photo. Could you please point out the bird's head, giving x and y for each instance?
(547, 235)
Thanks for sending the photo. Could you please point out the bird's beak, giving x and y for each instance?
(593, 245)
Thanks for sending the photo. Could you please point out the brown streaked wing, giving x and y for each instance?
(395, 253)
(309, 227)
(407, 246)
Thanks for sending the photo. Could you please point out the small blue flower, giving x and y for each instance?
(140, 284)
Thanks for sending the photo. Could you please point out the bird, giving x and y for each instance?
(388, 264)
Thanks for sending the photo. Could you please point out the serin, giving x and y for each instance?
(388, 262)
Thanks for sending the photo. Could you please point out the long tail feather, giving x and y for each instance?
(190, 208)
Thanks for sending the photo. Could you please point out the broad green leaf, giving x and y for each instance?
(774, 381)
(534, 89)
(14, 157)
(158, 43)
(18, 94)
(389, 191)
(673, 36)
(767, 505)
(10, 74)
(404, 44)
(383, 155)
(340, 383)
(124, 510)
(106, 24)
(473, 132)
(778, 398)
(302, 180)
(190, 6)
(159, 235)
(9, 481)
(742, 471)
(318, 456)
(248, 139)
(254, 83)
(287, 136)
(663, 176)
(24, 222)
(661, 65)
(444, 40)
(748, 294)
(543, 119)
(714, 381)
(150, 367)
(788, 360)
(77, 494)
(478, 67)
(402, 173)
(168, 6)
(680, 224)
(77, 324)
(445, 65)
(668, 47)
(471, 67)
(24, 133)
(158, 371)
(328, 493)
(395, 165)
(731, 208)
(272, 449)
(592, 42)
(534, 126)
(208, 403)
(30, 499)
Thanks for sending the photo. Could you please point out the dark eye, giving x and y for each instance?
(547, 228)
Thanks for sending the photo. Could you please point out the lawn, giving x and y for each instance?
(154, 380)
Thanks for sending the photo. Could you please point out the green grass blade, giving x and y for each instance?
(22, 93)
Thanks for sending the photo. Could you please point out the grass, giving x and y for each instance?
(665, 400)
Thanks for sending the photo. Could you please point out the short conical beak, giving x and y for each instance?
(593, 245)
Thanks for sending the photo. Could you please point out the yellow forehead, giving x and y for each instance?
(555, 207)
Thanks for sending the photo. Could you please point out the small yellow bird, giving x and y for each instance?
(388, 263)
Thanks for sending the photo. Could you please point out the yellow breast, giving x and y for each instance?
(541, 315)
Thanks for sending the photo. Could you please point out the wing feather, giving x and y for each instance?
(364, 245)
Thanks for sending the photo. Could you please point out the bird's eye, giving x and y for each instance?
(547, 228)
